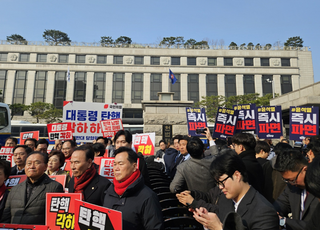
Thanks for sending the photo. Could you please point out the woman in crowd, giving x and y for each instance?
(5, 170)
(56, 161)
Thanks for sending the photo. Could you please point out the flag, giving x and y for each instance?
(68, 75)
(172, 77)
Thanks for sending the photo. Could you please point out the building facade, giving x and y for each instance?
(129, 75)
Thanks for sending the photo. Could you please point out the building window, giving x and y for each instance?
(80, 58)
(248, 62)
(248, 84)
(63, 58)
(137, 88)
(99, 87)
(60, 89)
(117, 59)
(212, 86)
(3, 78)
(101, 59)
(212, 61)
(118, 88)
(133, 113)
(228, 61)
(191, 61)
(3, 56)
(155, 85)
(176, 88)
(230, 85)
(193, 87)
(40, 87)
(286, 84)
(20, 88)
(285, 61)
(155, 61)
(138, 60)
(175, 60)
(24, 57)
(264, 62)
(267, 84)
(80, 85)
(42, 58)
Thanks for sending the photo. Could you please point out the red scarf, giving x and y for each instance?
(81, 182)
(120, 188)
(3, 188)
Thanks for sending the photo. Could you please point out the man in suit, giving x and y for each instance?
(85, 178)
(292, 166)
(20, 153)
(171, 153)
(237, 196)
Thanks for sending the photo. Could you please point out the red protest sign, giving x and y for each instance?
(59, 178)
(67, 167)
(31, 134)
(143, 144)
(23, 226)
(111, 127)
(6, 150)
(7, 154)
(15, 180)
(90, 216)
(60, 210)
(106, 167)
(60, 131)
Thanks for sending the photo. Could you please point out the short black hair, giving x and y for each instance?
(314, 146)
(42, 141)
(15, 140)
(132, 155)
(262, 145)
(228, 163)
(184, 138)
(72, 143)
(31, 139)
(176, 137)
(163, 142)
(5, 165)
(312, 177)
(280, 147)
(195, 148)
(105, 140)
(60, 155)
(246, 139)
(126, 133)
(28, 150)
(221, 144)
(44, 155)
(88, 150)
(290, 160)
(98, 147)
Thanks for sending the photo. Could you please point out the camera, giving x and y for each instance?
(201, 131)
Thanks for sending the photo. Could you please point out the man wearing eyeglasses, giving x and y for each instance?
(294, 200)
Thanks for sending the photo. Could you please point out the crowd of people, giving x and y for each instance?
(238, 183)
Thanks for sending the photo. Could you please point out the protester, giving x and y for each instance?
(160, 153)
(26, 202)
(42, 145)
(20, 153)
(313, 150)
(99, 149)
(31, 143)
(11, 142)
(139, 204)
(85, 178)
(56, 161)
(262, 150)
(68, 147)
(171, 153)
(58, 145)
(4, 175)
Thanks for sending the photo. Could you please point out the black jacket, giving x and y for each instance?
(14, 171)
(169, 158)
(94, 191)
(139, 206)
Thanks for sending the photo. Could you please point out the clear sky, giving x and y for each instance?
(147, 21)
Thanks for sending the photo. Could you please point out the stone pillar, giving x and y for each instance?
(50, 86)
(239, 84)
(89, 87)
(10, 86)
(72, 58)
(184, 87)
(220, 62)
(30, 87)
(277, 84)
(295, 82)
(146, 86)
(183, 61)
(202, 86)
(70, 87)
(109, 86)
(221, 85)
(258, 84)
(147, 60)
(109, 59)
(165, 83)
(256, 62)
(33, 57)
(127, 88)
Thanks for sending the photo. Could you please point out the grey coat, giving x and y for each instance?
(18, 211)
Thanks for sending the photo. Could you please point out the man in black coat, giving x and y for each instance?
(85, 178)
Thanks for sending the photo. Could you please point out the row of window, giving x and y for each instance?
(139, 60)
(99, 82)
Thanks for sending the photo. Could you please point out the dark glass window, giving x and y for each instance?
(42, 58)
(228, 61)
(118, 88)
(137, 88)
(285, 61)
(212, 61)
(60, 89)
(99, 87)
(40, 86)
(63, 58)
(3, 56)
(155, 85)
(20, 88)
(101, 59)
(230, 85)
(80, 85)
(267, 84)
(117, 59)
(175, 60)
(132, 113)
(248, 84)
(191, 61)
(212, 86)
(248, 61)
(193, 87)
(155, 61)
(3, 78)
(24, 57)
(176, 88)
(138, 60)
(286, 84)
(264, 62)
(80, 58)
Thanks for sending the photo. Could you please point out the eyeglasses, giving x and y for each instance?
(293, 182)
(221, 182)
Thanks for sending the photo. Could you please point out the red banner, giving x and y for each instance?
(15, 180)
(61, 211)
(67, 167)
(111, 127)
(95, 217)
(60, 131)
(7, 154)
(31, 134)
(143, 144)
(106, 167)
(6, 150)
(23, 227)
(59, 178)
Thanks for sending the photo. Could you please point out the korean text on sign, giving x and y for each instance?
(196, 118)
(60, 131)
(225, 124)
(269, 122)
(111, 127)
(246, 117)
(106, 168)
(143, 144)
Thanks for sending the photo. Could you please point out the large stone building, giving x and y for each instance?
(129, 75)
